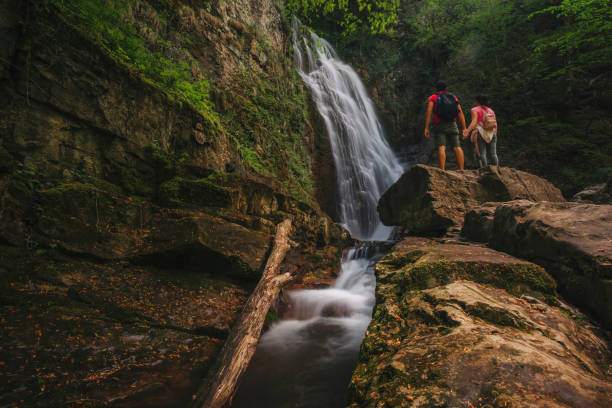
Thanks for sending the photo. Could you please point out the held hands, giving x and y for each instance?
(466, 132)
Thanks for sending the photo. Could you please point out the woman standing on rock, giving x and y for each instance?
(485, 135)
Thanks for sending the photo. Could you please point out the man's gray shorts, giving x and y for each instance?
(446, 134)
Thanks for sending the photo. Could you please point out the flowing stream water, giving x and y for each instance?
(306, 359)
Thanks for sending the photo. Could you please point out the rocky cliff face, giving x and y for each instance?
(147, 151)
(223, 129)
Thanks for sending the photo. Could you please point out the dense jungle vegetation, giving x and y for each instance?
(545, 65)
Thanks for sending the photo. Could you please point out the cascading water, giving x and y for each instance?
(306, 359)
(365, 165)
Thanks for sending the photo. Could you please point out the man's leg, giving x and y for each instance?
(452, 138)
(442, 156)
(440, 138)
(459, 155)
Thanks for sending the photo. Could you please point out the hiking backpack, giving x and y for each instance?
(447, 107)
(489, 122)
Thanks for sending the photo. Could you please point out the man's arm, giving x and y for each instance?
(428, 118)
(467, 131)
(461, 118)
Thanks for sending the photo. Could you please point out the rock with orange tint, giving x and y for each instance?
(427, 200)
(460, 325)
(572, 240)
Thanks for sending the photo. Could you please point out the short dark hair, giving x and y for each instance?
(441, 85)
(482, 99)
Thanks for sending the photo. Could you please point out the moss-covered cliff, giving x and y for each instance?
(215, 93)
(147, 150)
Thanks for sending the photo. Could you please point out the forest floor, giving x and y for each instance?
(83, 333)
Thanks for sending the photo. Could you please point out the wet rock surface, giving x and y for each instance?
(427, 200)
(460, 324)
(81, 333)
(573, 241)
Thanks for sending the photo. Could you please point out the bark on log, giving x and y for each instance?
(240, 345)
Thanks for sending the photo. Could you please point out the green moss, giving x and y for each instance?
(517, 279)
(134, 182)
(497, 316)
(219, 177)
(396, 260)
(105, 185)
(61, 191)
(113, 25)
(271, 317)
(268, 120)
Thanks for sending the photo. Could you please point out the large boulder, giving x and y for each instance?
(461, 325)
(572, 241)
(599, 194)
(429, 200)
(81, 219)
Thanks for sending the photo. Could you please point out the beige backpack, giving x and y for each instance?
(489, 122)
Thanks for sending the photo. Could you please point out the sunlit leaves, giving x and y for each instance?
(378, 16)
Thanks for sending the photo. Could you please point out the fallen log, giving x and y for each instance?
(242, 341)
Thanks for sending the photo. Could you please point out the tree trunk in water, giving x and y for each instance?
(240, 345)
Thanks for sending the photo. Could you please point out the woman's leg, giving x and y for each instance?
(482, 146)
(493, 151)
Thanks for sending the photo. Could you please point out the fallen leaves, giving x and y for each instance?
(57, 347)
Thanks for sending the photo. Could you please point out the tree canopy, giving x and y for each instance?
(377, 16)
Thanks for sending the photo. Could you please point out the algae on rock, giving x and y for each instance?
(458, 324)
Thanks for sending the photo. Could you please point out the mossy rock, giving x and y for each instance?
(399, 273)
(459, 323)
(74, 198)
(180, 192)
(497, 316)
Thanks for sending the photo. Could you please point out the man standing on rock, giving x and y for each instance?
(446, 108)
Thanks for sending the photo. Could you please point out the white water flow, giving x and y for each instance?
(365, 164)
(307, 358)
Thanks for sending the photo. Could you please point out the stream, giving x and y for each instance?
(307, 358)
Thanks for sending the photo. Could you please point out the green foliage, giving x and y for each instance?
(546, 68)
(583, 41)
(377, 16)
(105, 22)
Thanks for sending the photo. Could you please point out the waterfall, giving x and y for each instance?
(306, 359)
(365, 164)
